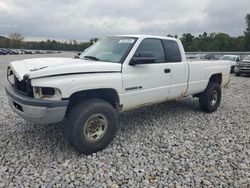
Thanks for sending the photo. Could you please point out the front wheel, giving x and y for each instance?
(91, 126)
(210, 99)
(232, 70)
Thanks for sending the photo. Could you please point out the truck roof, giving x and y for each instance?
(149, 36)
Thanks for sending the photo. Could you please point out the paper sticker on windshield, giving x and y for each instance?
(126, 41)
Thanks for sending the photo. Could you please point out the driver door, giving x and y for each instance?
(146, 83)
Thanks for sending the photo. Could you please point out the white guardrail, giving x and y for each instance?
(219, 54)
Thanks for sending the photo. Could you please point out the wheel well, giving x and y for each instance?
(216, 78)
(108, 95)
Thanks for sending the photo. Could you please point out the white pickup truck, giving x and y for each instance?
(115, 74)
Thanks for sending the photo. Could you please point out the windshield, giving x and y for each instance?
(247, 58)
(110, 49)
(229, 58)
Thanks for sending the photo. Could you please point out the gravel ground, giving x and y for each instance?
(172, 144)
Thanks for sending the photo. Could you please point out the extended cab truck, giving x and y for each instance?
(115, 74)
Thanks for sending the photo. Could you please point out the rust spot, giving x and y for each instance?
(183, 94)
(145, 104)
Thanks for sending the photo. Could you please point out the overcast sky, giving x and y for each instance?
(84, 19)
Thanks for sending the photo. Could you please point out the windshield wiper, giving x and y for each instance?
(92, 58)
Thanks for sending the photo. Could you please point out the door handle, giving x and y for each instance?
(167, 70)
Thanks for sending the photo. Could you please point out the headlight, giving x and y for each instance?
(47, 93)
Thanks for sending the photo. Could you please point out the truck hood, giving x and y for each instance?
(43, 67)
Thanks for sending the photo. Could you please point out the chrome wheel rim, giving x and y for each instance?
(214, 98)
(95, 127)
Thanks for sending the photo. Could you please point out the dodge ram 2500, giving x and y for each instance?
(115, 74)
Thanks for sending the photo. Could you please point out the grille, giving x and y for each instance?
(22, 86)
(242, 67)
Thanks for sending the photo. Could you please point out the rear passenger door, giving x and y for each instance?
(178, 68)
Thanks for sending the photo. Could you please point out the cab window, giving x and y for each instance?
(153, 46)
(172, 51)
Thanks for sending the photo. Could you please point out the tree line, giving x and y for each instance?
(203, 42)
(16, 41)
(217, 42)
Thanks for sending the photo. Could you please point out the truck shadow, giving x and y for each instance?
(243, 75)
(163, 110)
(39, 137)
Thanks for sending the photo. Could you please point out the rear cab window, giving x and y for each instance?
(172, 51)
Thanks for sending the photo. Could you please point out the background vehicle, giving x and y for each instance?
(191, 57)
(116, 74)
(206, 56)
(18, 51)
(7, 51)
(243, 67)
(233, 58)
(11, 52)
(3, 52)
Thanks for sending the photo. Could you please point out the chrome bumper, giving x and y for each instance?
(242, 69)
(37, 111)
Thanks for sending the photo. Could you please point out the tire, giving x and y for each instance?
(90, 126)
(210, 99)
(232, 70)
(237, 74)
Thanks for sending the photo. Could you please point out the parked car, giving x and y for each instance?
(11, 52)
(42, 52)
(27, 51)
(21, 51)
(14, 52)
(116, 74)
(206, 56)
(18, 51)
(6, 51)
(243, 67)
(191, 57)
(233, 58)
(3, 52)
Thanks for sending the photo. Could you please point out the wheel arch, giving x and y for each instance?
(109, 95)
(216, 78)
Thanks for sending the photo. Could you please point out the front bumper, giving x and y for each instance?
(37, 111)
(242, 69)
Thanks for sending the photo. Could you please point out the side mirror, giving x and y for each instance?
(142, 58)
(77, 56)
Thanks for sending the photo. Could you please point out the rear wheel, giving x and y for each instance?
(210, 99)
(91, 126)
